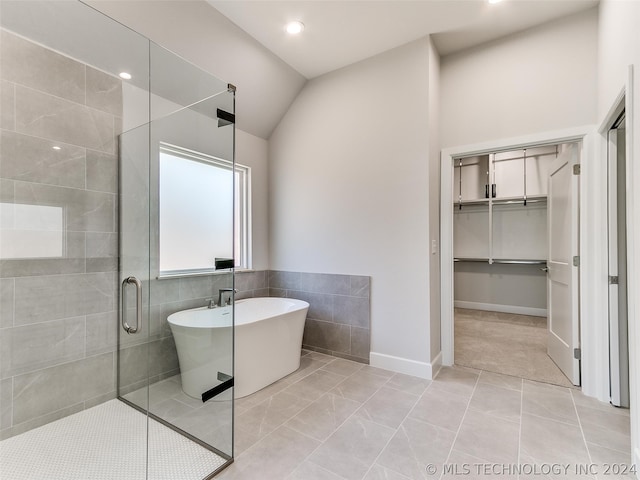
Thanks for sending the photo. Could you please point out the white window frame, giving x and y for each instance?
(241, 205)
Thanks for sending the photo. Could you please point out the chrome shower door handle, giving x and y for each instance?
(138, 284)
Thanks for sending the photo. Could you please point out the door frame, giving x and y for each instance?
(627, 99)
(593, 241)
(612, 147)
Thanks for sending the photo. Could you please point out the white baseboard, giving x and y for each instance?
(405, 365)
(492, 307)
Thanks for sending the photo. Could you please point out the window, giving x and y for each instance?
(31, 231)
(204, 205)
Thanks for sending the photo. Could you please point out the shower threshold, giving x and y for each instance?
(105, 442)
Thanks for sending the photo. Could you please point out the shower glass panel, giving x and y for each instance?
(192, 124)
(87, 352)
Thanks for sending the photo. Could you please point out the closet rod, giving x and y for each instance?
(502, 261)
(520, 157)
(524, 201)
(519, 262)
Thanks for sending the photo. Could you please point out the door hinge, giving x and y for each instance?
(576, 261)
(614, 280)
(576, 169)
(225, 118)
(577, 353)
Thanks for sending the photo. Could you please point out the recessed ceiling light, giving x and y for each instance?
(125, 75)
(56, 147)
(494, 1)
(294, 28)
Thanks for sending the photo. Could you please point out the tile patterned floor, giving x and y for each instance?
(106, 442)
(505, 343)
(338, 420)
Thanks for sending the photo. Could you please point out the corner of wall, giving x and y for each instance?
(406, 365)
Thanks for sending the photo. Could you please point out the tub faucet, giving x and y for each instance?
(211, 304)
(221, 293)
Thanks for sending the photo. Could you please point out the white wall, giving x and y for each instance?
(349, 191)
(252, 151)
(619, 47)
(202, 35)
(203, 46)
(434, 198)
(539, 80)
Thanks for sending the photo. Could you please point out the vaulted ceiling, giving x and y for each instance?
(244, 42)
(339, 33)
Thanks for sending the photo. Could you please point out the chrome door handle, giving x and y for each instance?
(138, 284)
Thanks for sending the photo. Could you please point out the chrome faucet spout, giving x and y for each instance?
(221, 293)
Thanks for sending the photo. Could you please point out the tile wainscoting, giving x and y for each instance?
(339, 318)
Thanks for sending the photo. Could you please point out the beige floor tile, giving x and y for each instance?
(353, 448)
(581, 399)
(315, 385)
(388, 407)
(608, 417)
(274, 457)
(545, 440)
(360, 387)
(308, 365)
(259, 421)
(460, 381)
(414, 446)
(606, 436)
(321, 357)
(320, 419)
(549, 401)
(505, 343)
(408, 384)
(612, 464)
(440, 408)
(377, 371)
(500, 380)
(497, 401)
(271, 413)
(486, 436)
(311, 471)
(603, 455)
(378, 472)
(343, 367)
(379, 425)
(261, 395)
(461, 464)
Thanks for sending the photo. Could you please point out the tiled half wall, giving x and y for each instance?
(339, 318)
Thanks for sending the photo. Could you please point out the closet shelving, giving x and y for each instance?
(500, 207)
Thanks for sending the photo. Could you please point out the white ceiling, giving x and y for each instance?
(339, 33)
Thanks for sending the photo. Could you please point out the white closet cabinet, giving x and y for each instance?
(500, 229)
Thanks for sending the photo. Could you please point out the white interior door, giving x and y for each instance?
(562, 282)
(618, 326)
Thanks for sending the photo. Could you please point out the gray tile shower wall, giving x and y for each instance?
(58, 315)
(339, 318)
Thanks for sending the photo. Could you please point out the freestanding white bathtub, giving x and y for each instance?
(268, 339)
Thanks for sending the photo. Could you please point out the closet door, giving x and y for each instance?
(562, 282)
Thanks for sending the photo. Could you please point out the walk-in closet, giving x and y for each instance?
(501, 250)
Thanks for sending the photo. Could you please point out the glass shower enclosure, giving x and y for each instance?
(88, 109)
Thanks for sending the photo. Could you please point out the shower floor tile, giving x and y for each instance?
(106, 442)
